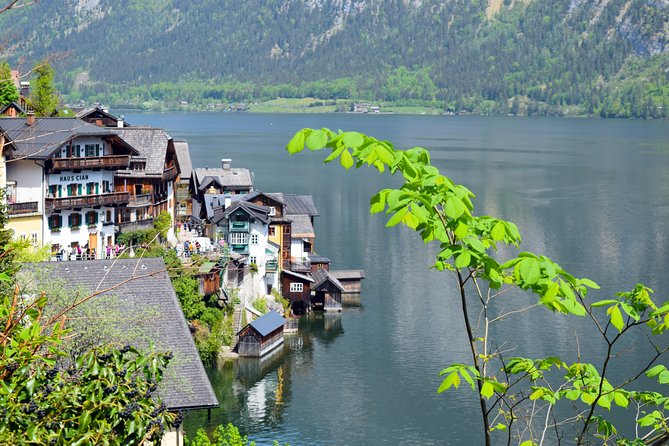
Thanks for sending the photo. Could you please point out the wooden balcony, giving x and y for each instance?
(29, 207)
(170, 174)
(86, 201)
(91, 162)
(134, 225)
(138, 201)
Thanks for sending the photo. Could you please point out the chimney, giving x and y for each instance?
(24, 89)
(119, 122)
(225, 162)
(30, 119)
(227, 202)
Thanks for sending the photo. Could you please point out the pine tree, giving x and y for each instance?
(44, 97)
(8, 91)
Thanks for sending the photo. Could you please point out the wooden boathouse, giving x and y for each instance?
(350, 279)
(261, 336)
(327, 291)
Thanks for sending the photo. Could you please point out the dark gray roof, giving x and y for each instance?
(276, 197)
(12, 105)
(233, 177)
(95, 112)
(255, 211)
(185, 384)
(298, 275)
(151, 143)
(301, 226)
(183, 157)
(300, 204)
(313, 258)
(350, 274)
(321, 276)
(40, 140)
(267, 323)
(213, 202)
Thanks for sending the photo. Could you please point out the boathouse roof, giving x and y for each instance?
(348, 274)
(140, 286)
(41, 139)
(298, 275)
(151, 143)
(268, 322)
(322, 276)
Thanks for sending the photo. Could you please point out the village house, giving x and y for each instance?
(60, 182)
(182, 197)
(225, 180)
(150, 313)
(149, 180)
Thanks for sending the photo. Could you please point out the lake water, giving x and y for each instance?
(591, 194)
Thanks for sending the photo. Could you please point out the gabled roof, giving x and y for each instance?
(145, 285)
(301, 226)
(13, 105)
(212, 202)
(267, 323)
(313, 258)
(253, 210)
(322, 276)
(274, 197)
(349, 274)
(151, 143)
(46, 135)
(96, 112)
(298, 275)
(300, 204)
(183, 156)
(233, 177)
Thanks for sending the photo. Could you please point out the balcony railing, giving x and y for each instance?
(271, 266)
(113, 199)
(297, 266)
(94, 162)
(137, 201)
(135, 225)
(170, 173)
(239, 226)
(239, 249)
(29, 207)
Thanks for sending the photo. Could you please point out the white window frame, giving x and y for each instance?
(296, 287)
(253, 260)
(254, 239)
(239, 238)
(33, 238)
(272, 211)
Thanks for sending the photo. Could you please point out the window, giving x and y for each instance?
(91, 218)
(74, 190)
(272, 211)
(33, 238)
(254, 239)
(239, 238)
(55, 222)
(254, 260)
(106, 186)
(271, 231)
(91, 188)
(23, 236)
(296, 287)
(286, 229)
(74, 220)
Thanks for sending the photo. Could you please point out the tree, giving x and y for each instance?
(103, 394)
(44, 97)
(518, 397)
(162, 223)
(8, 91)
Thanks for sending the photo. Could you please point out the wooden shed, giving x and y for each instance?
(350, 279)
(327, 291)
(209, 276)
(261, 336)
(296, 288)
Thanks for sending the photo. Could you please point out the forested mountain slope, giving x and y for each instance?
(607, 57)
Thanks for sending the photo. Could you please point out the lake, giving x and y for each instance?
(591, 194)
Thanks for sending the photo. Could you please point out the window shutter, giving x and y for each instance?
(79, 189)
(69, 220)
(97, 185)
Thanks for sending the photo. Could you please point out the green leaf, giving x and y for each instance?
(346, 159)
(462, 230)
(498, 231)
(487, 390)
(463, 260)
(616, 317)
(395, 219)
(453, 379)
(296, 143)
(538, 393)
(529, 271)
(589, 283)
(410, 220)
(454, 208)
(655, 370)
(317, 140)
(377, 203)
(353, 139)
(620, 399)
(527, 443)
(601, 303)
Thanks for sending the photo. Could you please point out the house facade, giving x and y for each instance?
(60, 182)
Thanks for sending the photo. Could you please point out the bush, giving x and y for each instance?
(260, 304)
(212, 317)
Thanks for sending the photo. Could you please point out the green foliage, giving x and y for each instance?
(442, 211)
(138, 237)
(44, 97)
(223, 436)
(25, 251)
(104, 394)
(162, 223)
(8, 91)
(260, 304)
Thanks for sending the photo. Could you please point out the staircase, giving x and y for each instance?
(237, 322)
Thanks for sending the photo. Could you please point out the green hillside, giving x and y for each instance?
(496, 56)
